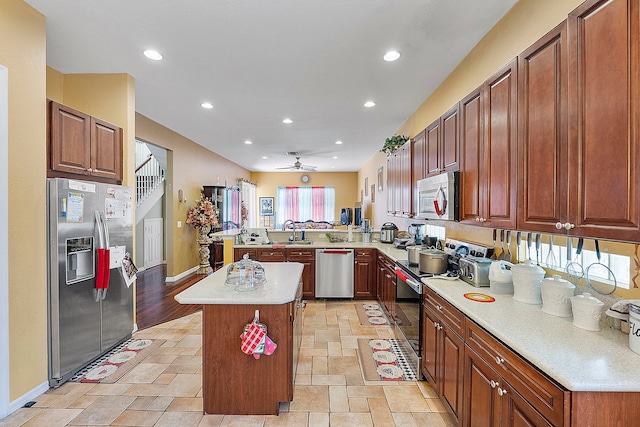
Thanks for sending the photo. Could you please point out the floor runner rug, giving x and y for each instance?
(116, 363)
(384, 359)
(371, 314)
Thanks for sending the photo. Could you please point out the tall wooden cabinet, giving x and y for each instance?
(418, 169)
(604, 117)
(79, 144)
(471, 156)
(308, 258)
(364, 274)
(542, 133)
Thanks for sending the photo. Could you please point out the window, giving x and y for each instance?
(305, 203)
(620, 265)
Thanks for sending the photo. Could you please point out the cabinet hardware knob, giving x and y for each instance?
(493, 384)
(502, 391)
(569, 226)
(499, 360)
(439, 327)
(90, 170)
(559, 225)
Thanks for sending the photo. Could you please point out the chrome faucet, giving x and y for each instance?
(294, 228)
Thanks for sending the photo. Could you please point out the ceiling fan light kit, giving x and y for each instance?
(299, 166)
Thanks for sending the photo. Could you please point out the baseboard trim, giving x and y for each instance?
(27, 397)
(181, 275)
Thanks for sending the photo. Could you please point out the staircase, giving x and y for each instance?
(150, 177)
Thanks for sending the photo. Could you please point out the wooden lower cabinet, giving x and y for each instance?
(387, 285)
(236, 383)
(364, 274)
(308, 258)
(443, 351)
(238, 253)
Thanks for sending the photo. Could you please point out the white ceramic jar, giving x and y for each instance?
(556, 296)
(527, 278)
(587, 310)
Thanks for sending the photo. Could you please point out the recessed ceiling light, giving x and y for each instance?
(333, 167)
(338, 142)
(153, 54)
(265, 157)
(248, 142)
(334, 157)
(207, 105)
(287, 121)
(391, 56)
(369, 104)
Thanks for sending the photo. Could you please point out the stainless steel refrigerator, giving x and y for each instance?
(90, 305)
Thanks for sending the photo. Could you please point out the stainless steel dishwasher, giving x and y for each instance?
(334, 273)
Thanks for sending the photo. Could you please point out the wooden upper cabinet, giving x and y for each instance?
(406, 175)
(418, 160)
(69, 139)
(470, 156)
(432, 159)
(604, 113)
(499, 148)
(450, 149)
(79, 144)
(106, 149)
(542, 133)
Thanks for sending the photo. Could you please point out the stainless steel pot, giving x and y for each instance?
(433, 261)
(388, 232)
(413, 253)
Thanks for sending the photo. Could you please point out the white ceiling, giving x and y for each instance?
(260, 61)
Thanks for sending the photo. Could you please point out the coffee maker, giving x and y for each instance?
(417, 232)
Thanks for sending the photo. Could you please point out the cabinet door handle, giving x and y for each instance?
(502, 391)
(494, 384)
(499, 360)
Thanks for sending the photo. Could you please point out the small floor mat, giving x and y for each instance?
(371, 314)
(113, 365)
(384, 360)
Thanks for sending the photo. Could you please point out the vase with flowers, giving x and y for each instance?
(202, 216)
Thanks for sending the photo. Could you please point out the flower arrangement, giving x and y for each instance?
(392, 143)
(202, 214)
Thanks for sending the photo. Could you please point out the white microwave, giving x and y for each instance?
(438, 197)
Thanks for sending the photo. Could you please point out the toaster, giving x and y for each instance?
(475, 270)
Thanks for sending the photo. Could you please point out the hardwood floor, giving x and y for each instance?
(154, 297)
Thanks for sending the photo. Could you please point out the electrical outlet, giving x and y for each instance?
(179, 224)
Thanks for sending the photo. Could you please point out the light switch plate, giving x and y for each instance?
(179, 224)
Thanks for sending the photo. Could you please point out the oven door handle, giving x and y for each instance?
(416, 286)
(401, 274)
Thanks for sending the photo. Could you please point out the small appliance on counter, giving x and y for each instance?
(475, 270)
(403, 240)
(346, 216)
(365, 229)
(471, 261)
(388, 232)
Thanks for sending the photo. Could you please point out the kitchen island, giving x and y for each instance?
(234, 383)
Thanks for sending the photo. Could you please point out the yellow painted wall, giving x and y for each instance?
(23, 52)
(192, 166)
(345, 183)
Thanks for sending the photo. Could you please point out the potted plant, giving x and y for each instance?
(392, 143)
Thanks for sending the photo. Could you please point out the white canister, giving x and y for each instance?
(556, 296)
(526, 282)
(587, 310)
(634, 326)
(500, 278)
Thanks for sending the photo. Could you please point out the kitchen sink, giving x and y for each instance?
(288, 242)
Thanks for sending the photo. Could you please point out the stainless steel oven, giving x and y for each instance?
(408, 311)
(438, 197)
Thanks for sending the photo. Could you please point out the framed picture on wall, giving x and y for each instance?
(373, 193)
(380, 179)
(366, 186)
(266, 206)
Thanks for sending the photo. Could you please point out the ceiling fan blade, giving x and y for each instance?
(287, 167)
(308, 168)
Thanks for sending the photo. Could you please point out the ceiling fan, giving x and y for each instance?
(299, 166)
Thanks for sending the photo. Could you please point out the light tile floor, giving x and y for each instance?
(165, 389)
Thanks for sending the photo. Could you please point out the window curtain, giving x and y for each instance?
(305, 203)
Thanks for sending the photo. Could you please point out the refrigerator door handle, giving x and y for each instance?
(107, 269)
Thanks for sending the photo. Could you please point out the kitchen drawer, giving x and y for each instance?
(445, 311)
(238, 253)
(545, 395)
(272, 255)
(301, 254)
(386, 261)
(364, 253)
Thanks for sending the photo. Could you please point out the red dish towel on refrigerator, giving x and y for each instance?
(103, 269)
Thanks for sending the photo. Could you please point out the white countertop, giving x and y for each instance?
(580, 360)
(280, 288)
